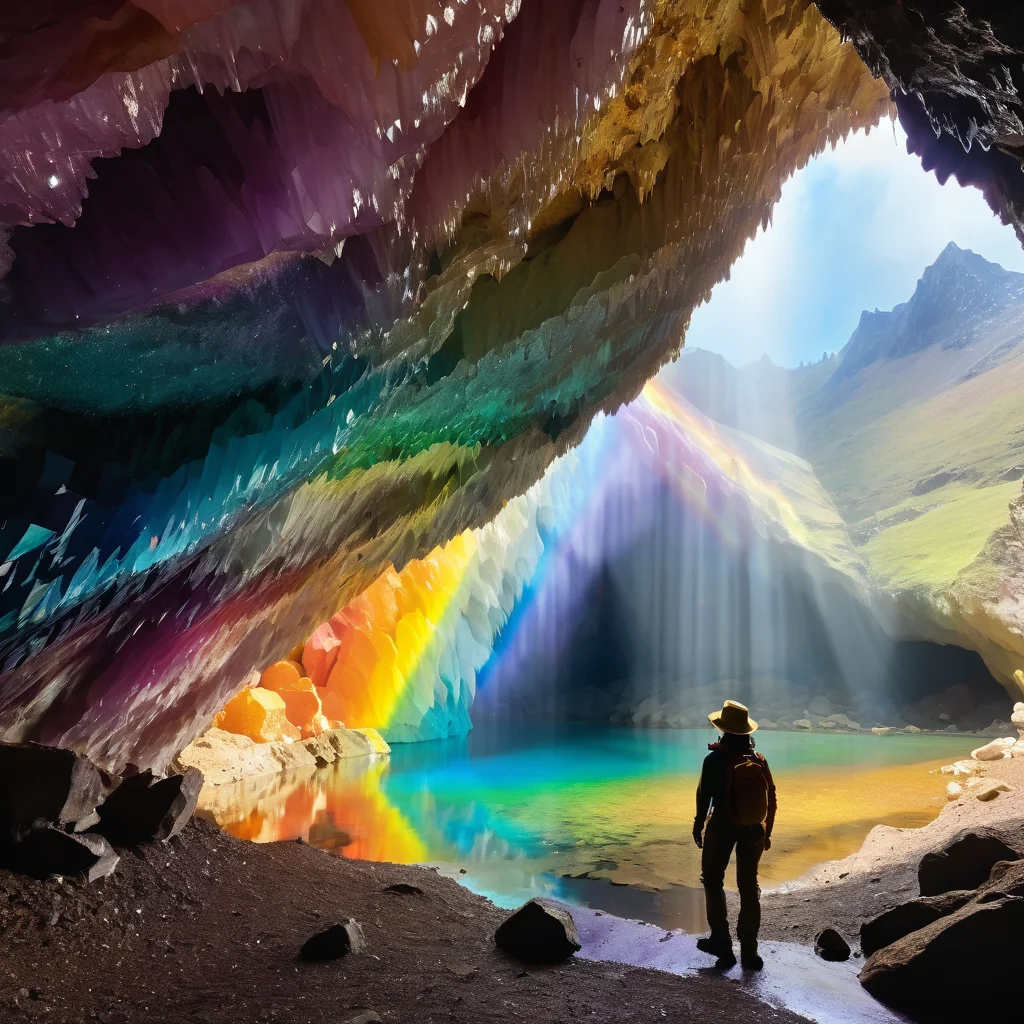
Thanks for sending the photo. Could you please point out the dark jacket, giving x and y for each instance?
(714, 779)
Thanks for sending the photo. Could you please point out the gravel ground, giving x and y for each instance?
(207, 928)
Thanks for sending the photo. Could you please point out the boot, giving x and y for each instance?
(720, 947)
(749, 957)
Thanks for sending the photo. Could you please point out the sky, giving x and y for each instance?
(853, 230)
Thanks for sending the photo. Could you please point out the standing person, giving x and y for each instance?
(736, 786)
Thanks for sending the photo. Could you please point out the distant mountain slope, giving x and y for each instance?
(916, 431)
(956, 299)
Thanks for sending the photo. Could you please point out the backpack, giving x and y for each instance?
(746, 790)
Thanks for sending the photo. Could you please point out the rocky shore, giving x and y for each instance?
(927, 913)
(846, 893)
(225, 757)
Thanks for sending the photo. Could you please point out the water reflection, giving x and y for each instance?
(599, 816)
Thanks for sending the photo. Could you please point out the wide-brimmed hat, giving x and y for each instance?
(734, 717)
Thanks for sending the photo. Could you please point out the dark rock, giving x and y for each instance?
(48, 850)
(830, 945)
(965, 862)
(939, 60)
(909, 917)
(143, 808)
(403, 889)
(539, 933)
(962, 964)
(47, 783)
(369, 1017)
(337, 941)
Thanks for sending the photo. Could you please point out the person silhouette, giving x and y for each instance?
(737, 788)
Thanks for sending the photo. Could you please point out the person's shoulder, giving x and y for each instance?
(713, 757)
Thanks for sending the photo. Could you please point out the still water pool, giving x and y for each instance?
(594, 815)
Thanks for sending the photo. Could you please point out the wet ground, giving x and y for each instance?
(793, 978)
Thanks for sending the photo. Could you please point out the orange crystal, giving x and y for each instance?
(259, 714)
(282, 675)
(302, 706)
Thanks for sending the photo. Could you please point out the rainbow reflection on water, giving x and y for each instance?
(591, 814)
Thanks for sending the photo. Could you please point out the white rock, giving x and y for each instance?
(881, 730)
(966, 767)
(992, 788)
(949, 769)
(912, 729)
(954, 791)
(1018, 718)
(1017, 750)
(802, 723)
(974, 782)
(994, 751)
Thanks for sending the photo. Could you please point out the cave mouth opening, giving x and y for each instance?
(545, 680)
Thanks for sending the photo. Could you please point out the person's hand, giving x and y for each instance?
(767, 842)
(698, 839)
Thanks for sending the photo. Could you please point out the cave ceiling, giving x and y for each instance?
(292, 291)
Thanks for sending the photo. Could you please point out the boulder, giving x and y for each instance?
(991, 788)
(997, 728)
(954, 791)
(366, 1017)
(830, 945)
(539, 933)
(820, 706)
(994, 751)
(143, 808)
(48, 783)
(964, 862)
(48, 850)
(894, 924)
(964, 964)
(843, 722)
(332, 943)
(802, 723)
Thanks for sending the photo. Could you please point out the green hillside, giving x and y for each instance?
(921, 452)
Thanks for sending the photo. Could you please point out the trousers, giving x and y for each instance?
(720, 838)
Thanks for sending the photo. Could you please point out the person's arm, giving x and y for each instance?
(769, 822)
(703, 805)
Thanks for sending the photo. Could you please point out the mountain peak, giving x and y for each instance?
(954, 296)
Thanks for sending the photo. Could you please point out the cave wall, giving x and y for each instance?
(956, 77)
(292, 292)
